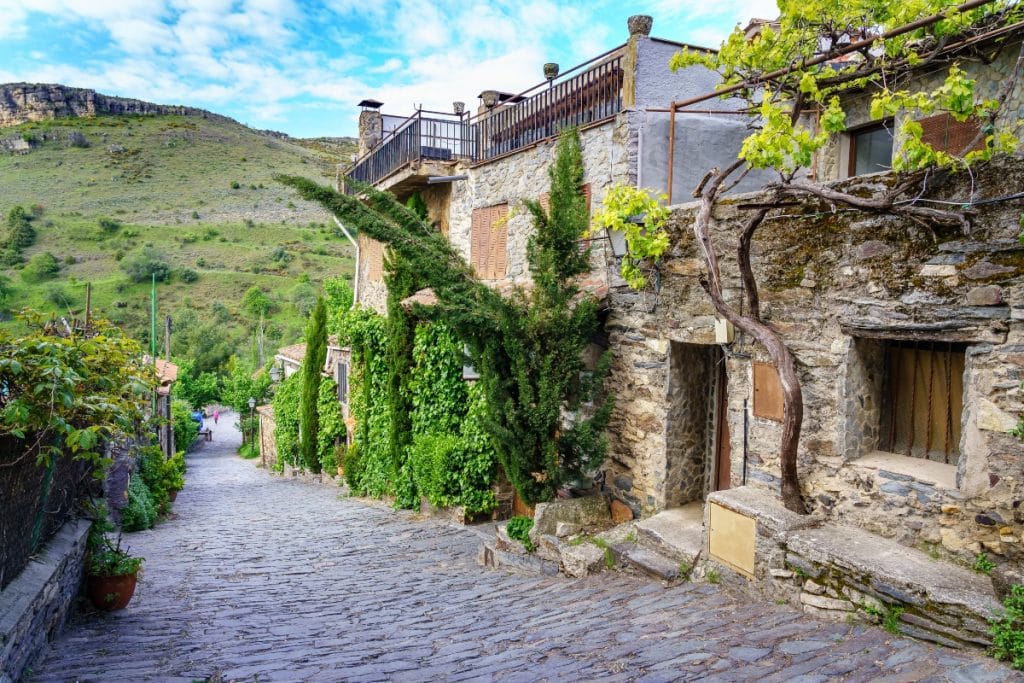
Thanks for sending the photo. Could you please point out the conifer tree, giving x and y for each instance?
(316, 354)
(528, 347)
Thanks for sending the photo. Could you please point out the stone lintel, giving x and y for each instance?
(948, 331)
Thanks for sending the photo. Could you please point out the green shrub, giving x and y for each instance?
(286, 421)
(235, 185)
(140, 512)
(59, 296)
(109, 225)
(353, 469)
(1007, 630)
(332, 425)
(41, 267)
(10, 258)
(255, 302)
(186, 275)
(185, 428)
(429, 458)
(518, 529)
(142, 264)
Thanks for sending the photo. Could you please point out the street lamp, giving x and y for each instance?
(252, 426)
(275, 373)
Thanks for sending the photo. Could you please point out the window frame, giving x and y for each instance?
(852, 134)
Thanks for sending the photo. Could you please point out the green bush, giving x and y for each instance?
(353, 469)
(140, 512)
(1007, 630)
(109, 225)
(429, 457)
(518, 529)
(41, 267)
(186, 275)
(142, 264)
(286, 421)
(185, 428)
(332, 425)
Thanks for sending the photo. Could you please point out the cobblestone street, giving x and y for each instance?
(259, 578)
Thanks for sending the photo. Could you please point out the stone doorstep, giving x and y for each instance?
(648, 561)
(676, 533)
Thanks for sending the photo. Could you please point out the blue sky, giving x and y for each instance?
(301, 67)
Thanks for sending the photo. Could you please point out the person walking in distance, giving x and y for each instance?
(216, 416)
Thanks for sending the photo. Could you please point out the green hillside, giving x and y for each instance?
(199, 191)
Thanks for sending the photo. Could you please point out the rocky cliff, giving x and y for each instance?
(21, 102)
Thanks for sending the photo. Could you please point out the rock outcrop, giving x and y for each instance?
(23, 102)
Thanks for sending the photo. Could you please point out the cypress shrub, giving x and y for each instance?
(316, 354)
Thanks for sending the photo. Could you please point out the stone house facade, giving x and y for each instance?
(473, 172)
(909, 345)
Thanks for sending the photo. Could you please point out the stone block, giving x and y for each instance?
(989, 295)
(583, 559)
(823, 602)
(620, 512)
(585, 511)
(813, 588)
(933, 270)
(564, 529)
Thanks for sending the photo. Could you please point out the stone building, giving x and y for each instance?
(474, 171)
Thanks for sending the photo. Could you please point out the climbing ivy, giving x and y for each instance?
(364, 333)
(332, 425)
(286, 422)
(528, 346)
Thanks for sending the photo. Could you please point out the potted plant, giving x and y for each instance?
(111, 572)
(175, 475)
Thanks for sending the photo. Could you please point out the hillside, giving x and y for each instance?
(198, 189)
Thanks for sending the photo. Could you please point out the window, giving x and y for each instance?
(488, 249)
(341, 378)
(946, 134)
(922, 400)
(871, 148)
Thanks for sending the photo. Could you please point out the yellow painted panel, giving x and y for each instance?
(731, 539)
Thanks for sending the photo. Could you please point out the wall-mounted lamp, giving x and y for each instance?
(276, 372)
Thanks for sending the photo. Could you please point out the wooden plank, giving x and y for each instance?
(768, 398)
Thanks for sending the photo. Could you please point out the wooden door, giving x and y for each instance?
(723, 469)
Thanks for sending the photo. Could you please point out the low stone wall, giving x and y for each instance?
(34, 606)
(844, 573)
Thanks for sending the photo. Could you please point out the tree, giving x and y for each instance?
(6, 290)
(19, 223)
(782, 73)
(142, 264)
(528, 347)
(312, 364)
(255, 302)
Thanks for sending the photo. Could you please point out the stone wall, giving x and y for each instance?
(832, 281)
(34, 606)
(524, 175)
(268, 447)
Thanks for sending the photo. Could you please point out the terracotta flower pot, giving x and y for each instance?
(110, 593)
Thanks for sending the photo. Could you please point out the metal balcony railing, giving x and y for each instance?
(586, 98)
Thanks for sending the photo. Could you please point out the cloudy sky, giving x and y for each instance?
(300, 66)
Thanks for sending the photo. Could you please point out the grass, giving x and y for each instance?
(168, 181)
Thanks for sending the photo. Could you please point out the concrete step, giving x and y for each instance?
(648, 561)
(676, 533)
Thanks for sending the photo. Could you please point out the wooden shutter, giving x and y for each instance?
(478, 241)
(768, 398)
(342, 380)
(945, 134)
(497, 243)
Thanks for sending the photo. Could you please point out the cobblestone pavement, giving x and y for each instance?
(259, 578)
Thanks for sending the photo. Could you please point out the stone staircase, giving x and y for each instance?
(667, 544)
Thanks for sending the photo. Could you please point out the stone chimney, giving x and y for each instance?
(371, 125)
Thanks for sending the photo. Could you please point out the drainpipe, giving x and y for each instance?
(744, 442)
(355, 278)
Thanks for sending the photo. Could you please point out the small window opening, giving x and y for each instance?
(922, 400)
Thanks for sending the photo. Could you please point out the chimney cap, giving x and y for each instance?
(371, 104)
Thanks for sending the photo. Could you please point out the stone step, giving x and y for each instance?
(648, 561)
(676, 533)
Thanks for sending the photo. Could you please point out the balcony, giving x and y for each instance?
(429, 143)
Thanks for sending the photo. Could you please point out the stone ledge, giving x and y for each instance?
(763, 507)
(33, 606)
